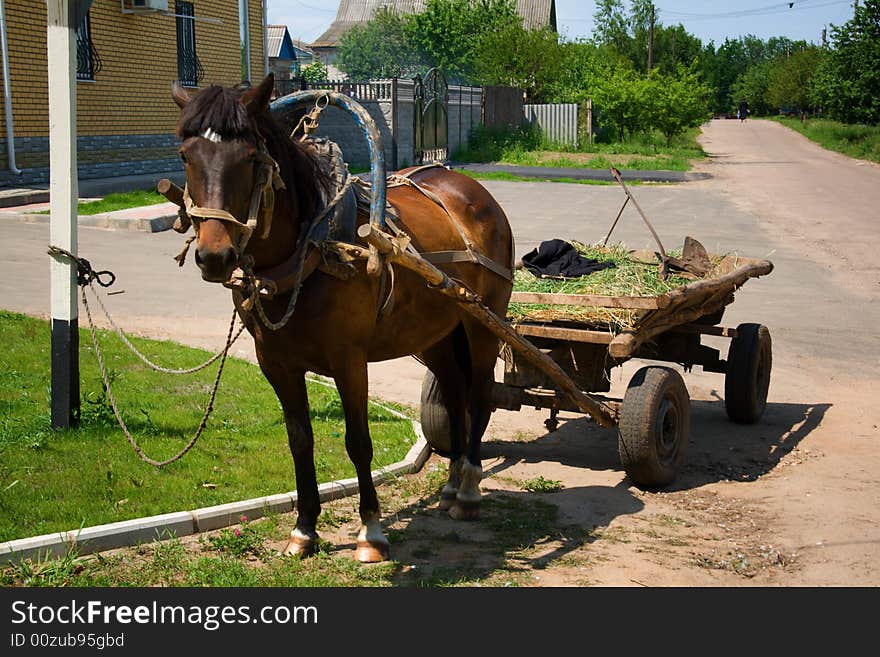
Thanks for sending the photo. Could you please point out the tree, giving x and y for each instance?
(380, 48)
(752, 85)
(847, 82)
(677, 102)
(790, 79)
(610, 25)
(528, 59)
(315, 72)
(448, 32)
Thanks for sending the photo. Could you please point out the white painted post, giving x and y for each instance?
(62, 19)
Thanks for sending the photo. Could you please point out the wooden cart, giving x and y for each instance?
(564, 365)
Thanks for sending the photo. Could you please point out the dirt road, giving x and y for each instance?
(790, 501)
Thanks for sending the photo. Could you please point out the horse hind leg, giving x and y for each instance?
(483, 349)
(444, 408)
(372, 546)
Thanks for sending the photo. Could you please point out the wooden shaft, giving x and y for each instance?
(469, 302)
(170, 191)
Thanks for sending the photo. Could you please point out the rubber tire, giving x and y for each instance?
(434, 416)
(749, 361)
(655, 395)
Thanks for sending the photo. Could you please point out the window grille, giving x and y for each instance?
(88, 61)
(189, 68)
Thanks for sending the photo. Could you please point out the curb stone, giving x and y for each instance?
(103, 220)
(185, 523)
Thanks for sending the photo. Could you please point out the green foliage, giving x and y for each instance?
(620, 102)
(541, 485)
(516, 57)
(847, 82)
(790, 79)
(676, 103)
(380, 48)
(447, 33)
(752, 85)
(239, 541)
(315, 72)
(860, 141)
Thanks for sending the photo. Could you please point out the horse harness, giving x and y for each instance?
(323, 242)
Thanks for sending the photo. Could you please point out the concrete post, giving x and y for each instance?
(62, 18)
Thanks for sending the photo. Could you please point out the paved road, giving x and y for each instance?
(772, 194)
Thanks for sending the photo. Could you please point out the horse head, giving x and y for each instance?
(230, 176)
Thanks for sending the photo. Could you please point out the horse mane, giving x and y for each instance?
(220, 109)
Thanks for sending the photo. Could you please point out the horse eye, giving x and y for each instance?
(183, 157)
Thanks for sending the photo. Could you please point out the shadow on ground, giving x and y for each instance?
(719, 450)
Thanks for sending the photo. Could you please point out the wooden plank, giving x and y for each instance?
(599, 301)
(562, 333)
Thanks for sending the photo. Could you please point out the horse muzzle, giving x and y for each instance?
(216, 265)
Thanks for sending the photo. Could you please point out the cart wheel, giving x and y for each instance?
(749, 361)
(435, 416)
(654, 427)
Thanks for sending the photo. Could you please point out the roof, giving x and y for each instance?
(279, 42)
(535, 13)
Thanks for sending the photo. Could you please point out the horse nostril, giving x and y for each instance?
(198, 257)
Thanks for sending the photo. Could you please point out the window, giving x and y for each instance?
(189, 68)
(88, 62)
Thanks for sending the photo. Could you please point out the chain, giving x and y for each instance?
(86, 277)
(146, 360)
(137, 448)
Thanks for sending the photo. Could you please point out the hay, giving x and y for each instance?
(628, 278)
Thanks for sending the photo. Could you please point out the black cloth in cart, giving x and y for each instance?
(559, 259)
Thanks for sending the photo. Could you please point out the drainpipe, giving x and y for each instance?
(7, 92)
(265, 40)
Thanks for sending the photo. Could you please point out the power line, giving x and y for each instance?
(778, 8)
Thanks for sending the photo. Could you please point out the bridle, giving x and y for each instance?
(262, 205)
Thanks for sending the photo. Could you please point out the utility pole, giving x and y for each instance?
(651, 41)
(63, 17)
(824, 37)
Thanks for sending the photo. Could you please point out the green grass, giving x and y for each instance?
(61, 480)
(525, 147)
(859, 141)
(119, 201)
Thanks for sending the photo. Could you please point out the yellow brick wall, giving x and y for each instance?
(131, 92)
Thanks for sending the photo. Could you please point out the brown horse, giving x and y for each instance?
(339, 325)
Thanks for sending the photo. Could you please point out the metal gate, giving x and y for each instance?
(431, 121)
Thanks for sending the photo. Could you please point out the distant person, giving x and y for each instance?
(743, 110)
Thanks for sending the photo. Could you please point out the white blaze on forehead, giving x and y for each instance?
(211, 135)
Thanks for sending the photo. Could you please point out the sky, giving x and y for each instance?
(307, 19)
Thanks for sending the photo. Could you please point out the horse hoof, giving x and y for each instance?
(464, 511)
(371, 552)
(299, 546)
(446, 502)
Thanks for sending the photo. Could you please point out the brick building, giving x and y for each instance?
(128, 54)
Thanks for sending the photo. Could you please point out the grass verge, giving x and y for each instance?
(119, 201)
(858, 141)
(60, 480)
(525, 147)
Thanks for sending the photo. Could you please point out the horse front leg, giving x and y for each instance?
(372, 546)
(295, 401)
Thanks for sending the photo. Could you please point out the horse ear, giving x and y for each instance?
(179, 94)
(256, 99)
